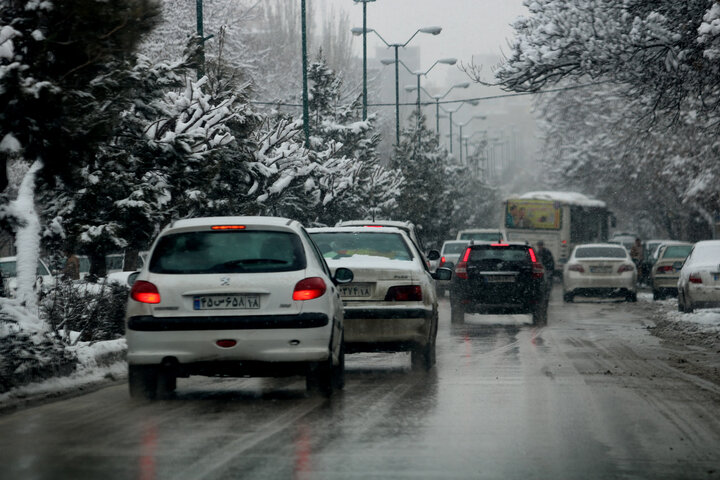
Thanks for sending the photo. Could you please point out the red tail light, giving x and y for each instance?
(538, 271)
(144, 292)
(442, 261)
(309, 288)
(499, 244)
(228, 227)
(576, 268)
(404, 293)
(665, 269)
(533, 257)
(227, 343)
(466, 256)
(628, 268)
(695, 278)
(461, 270)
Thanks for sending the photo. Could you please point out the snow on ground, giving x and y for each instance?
(701, 320)
(100, 363)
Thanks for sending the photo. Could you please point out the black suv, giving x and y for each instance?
(499, 278)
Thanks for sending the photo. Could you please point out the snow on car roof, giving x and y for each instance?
(571, 198)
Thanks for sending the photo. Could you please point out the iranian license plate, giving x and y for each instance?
(501, 279)
(356, 290)
(226, 302)
(600, 269)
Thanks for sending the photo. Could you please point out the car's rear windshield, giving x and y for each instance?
(454, 248)
(510, 253)
(233, 251)
(600, 252)
(677, 251)
(336, 245)
(482, 236)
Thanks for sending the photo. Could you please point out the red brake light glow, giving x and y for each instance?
(533, 257)
(665, 269)
(499, 244)
(576, 268)
(228, 227)
(695, 278)
(226, 343)
(404, 293)
(144, 292)
(309, 288)
(374, 226)
(466, 257)
(627, 268)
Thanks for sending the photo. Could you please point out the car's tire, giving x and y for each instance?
(631, 297)
(539, 314)
(143, 381)
(568, 297)
(320, 378)
(681, 302)
(338, 375)
(422, 358)
(166, 383)
(657, 295)
(457, 312)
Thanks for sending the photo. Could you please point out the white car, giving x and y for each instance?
(600, 269)
(482, 235)
(666, 268)
(8, 266)
(449, 256)
(234, 296)
(391, 304)
(699, 281)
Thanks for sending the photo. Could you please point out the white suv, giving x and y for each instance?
(234, 296)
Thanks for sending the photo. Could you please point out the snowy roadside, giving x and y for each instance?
(694, 337)
(100, 363)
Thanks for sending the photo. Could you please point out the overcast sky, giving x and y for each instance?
(469, 26)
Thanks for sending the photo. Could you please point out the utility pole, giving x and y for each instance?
(201, 39)
(306, 112)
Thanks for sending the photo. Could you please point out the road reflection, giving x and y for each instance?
(147, 451)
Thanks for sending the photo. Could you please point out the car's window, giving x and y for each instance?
(334, 245)
(316, 252)
(454, 248)
(234, 251)
(600, 252)
(510, 253)
(677, 251)
(482, 236)
(9, 269)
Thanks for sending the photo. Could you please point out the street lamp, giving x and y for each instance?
(363, 31)
(450, 113)
(364, 34)
(461, 125)
(437, 98)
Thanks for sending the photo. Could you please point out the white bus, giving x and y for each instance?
(560, 219)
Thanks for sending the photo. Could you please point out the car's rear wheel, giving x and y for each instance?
(423, 357)
(568, 297)
(339, 369)
(539, 314)
(457, 312)
(631, 297)
(143, 381)
(166, 382)
(683, 305)
(657, 295)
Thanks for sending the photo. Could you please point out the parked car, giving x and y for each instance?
(499, 278)
(482, 235)
(114, 263)
(650, 248)
(600, 269)
(626, 239)
(235, 296)
(666, 269)
(8, 265)
(391, 304)
(699, 281)
(449, 255)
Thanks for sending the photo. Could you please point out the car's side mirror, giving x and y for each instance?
(131, 278)
(343, 275)
(433, 255)
(442, 273)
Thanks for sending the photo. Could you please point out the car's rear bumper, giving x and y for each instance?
(665, 282)
(701, 296)
(576, 282)
(153, 340)
(387, 328)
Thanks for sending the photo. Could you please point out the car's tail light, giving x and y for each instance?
(144, 292)
(533, 257)
(695, 278)
(499, 244)
(575, 267)
(442, 261)
(404, 293)
(228, 227)
(665, 269)
(461, 270)
(538, 271)
(309, 288)
(627, 268)
(226, 343)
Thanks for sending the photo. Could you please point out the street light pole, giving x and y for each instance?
(437, 100)
(364, 34)
(306, 112)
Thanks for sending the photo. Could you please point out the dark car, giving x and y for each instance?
(499, 278)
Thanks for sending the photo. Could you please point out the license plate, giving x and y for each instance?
(501, 279)
(355, 290)
(600, 269)
(716, 276)
(226, 302)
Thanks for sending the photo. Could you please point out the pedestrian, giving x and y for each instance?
(636, 253)
(546, 258)
(72, 266)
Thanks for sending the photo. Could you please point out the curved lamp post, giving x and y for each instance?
(364, 31)
(450, 113)
(460, 136)
(437, 98)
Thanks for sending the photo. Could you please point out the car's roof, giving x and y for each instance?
(675, 242)
(480, 230)
(708, 243)
(234, 220)
(498, 244)
(450, 242)
(387, 223)
(611, 245)
(357, 229)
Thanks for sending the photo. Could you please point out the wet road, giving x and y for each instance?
(588, 396)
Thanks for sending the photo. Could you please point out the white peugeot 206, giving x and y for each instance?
(234, 296)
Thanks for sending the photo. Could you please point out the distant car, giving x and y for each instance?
(699, 281)
(391, 304)
(600, 269)
(449, 255)
(499, 278)
(482, 235)
(625, 239)
(114, 263)
(8, 265)
(650, 248)
(234, 296)
(666, 270)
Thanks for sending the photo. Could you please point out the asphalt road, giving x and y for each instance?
(588, 396)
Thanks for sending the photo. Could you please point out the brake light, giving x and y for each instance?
(309, 288)
(576, 268)
(466, 257)
(226, 343)
(533, 257)
(228, 227)
(627, 268)
(665, 269)
(442, 261)
(695, 278)
(538, 271)
(499, 244)
(144, 292)
(461, 270)
(404, 293)
(374, 226)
